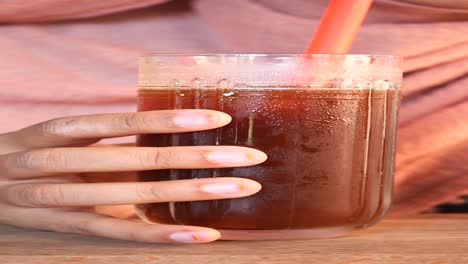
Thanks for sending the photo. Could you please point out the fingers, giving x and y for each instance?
(105, 226)
(91, 194)
(44, 162)
(84, 130)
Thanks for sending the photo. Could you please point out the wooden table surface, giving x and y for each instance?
(422, 239)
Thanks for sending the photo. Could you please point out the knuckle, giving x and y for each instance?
(165, 158)
(27, 160)
(39, 195)
(149, 192)
(153, 158)
(127, 121)
(82, 227)
(43, 159)
(60, 127)
(166, 120)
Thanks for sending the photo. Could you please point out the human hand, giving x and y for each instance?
(54, 177)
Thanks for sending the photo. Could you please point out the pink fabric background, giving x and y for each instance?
(64, 57)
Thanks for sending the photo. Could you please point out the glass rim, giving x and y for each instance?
(292, 55)
(257, 69)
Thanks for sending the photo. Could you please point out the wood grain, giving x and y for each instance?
(422, 239)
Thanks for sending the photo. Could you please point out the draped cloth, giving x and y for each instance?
(73, 57)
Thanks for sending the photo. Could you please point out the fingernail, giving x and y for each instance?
(223, 188)
(185, 237)
(228, 157)
(194, 119)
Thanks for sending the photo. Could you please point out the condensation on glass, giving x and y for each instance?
(326, 122)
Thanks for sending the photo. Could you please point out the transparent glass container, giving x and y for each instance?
(326, 122)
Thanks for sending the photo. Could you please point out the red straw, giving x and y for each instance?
(338, 26)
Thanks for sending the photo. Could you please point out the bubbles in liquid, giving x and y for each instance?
(224, 84)
(175, 83)
(196, 83)
(224, 90)
(382, 84)
(227, 94)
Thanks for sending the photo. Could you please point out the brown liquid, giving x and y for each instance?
(330, 156)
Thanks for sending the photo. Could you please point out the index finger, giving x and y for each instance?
(88, 129)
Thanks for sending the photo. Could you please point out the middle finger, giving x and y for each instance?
(46, 162)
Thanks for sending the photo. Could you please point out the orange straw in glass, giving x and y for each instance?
(338, 27)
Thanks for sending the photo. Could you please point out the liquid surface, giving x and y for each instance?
(330, 156)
